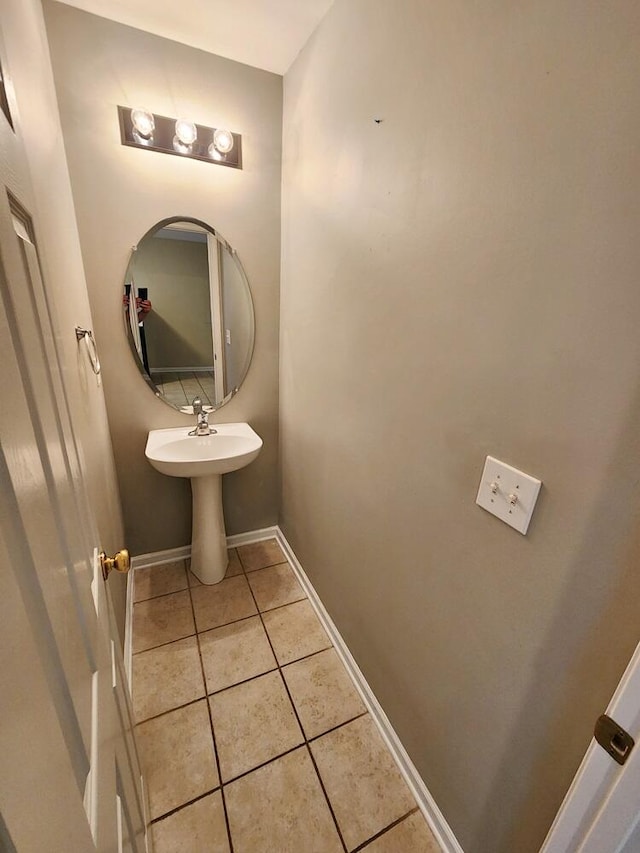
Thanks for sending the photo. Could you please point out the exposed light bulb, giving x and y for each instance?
(186, 131)
(143, 122)
(223, 140)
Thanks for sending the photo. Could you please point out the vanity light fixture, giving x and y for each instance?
(140, 128)
(223, 140)
(186, 132)
(143, 123)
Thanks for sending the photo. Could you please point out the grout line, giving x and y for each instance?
(264, 569)
(280, 606)
(335, 728)
(170, 710)
(160, 645)
(227, 624)
(259, 568)
(274, 668)
(213, 737)
(304, 657)
(244, 681)
(302, 731)
(326, 796)
(305, 597)
(266, 763)
(184, 805)
(385, 830)
(223, 625)
(162, 566)
(160, 594)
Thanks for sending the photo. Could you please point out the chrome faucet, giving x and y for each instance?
(203, 427)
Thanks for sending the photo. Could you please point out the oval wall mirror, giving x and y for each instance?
(188, 313)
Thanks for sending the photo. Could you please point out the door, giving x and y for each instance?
(217, 326)
(70, 776)
(601, 812)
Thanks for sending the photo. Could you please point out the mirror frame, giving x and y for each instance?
(225, 245)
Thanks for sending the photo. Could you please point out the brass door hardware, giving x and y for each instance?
(613, 738)
(121, 562)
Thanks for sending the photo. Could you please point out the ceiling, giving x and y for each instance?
(267, 34)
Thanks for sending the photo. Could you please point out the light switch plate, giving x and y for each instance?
(508, 494)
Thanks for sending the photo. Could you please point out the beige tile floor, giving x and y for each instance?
(180, 388)
(253, 737)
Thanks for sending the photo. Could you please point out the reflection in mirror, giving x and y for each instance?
(188, 313)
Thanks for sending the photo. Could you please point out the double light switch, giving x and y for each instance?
(507, 493)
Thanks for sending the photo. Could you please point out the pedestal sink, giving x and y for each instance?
(204, 459)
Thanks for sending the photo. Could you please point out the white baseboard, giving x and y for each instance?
(187, 369)
(143, 561)
(442, 831)
(128, 629)
(157, 558)
(252, 536)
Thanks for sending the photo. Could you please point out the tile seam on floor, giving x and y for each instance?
(277, 666)
(174, 708)
(313, 739)
(385, 830)
(164, 565)
(279, 671)
(160, 594)
(168, 643)
(213, 735)
(266, 763)
(262, 568)
(277, 606)
(268, 566)
(280, 606)
(326, 796)
(160, 645)
(274, 669)
(238, 683)
(297, 660)
(179, 808)
(213, 627)
(306, 742)
(226, 625)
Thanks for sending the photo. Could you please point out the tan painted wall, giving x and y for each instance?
(121, 192)
(462, 280)
(27, 68)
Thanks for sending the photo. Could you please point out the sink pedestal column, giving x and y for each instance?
(209, 557)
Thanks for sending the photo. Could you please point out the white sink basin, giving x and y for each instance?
(204, 459)
(178, 454)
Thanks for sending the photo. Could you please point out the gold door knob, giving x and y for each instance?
(121, 562)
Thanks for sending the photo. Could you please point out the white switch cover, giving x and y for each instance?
(509, 494)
